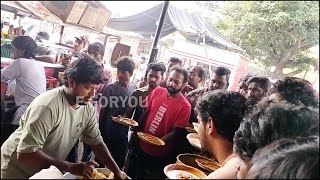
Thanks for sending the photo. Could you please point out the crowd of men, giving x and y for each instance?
(262, 130)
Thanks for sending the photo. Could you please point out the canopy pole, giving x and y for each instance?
(154, 50)
(61, 34)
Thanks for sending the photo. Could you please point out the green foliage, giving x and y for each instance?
(275, 33)
(303, 60)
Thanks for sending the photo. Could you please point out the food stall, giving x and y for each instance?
(73, 16)
(36, 10)
(89, 21)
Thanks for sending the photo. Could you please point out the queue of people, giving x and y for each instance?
(250, 132)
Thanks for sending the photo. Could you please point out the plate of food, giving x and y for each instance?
(207, 164)
(148, 138)
(179, 171)
(125, 121)
(190, 160)
(98, 173)
(194, 140)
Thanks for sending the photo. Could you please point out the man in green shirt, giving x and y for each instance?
(53, 123)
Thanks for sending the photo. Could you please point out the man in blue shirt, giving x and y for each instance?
(113, 102)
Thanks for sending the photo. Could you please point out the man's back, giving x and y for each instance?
(30, 82)
(51, 125)
(30, 79)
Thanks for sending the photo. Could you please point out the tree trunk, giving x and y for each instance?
(277, 73)
(288, 54)
(240, 43)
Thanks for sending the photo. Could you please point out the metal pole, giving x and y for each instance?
(61, 34)
(154, 50)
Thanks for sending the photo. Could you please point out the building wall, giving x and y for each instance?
(241, 71)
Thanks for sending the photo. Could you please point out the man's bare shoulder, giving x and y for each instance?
(228, 170)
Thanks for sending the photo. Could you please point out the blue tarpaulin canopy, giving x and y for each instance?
(189, 25)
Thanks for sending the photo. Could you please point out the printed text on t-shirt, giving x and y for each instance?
(157, 119)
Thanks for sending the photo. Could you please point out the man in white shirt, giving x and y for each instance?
(28, 73)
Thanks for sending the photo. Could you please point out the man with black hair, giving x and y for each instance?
(96, 50)
(270, 123)
(42, 35)
(78, 48)
(288, 158)
(114, 101)
(29, 75)
(154, 78)
(258, 87)
(220, 114)
(136, 108)
(53, 123)
(197, 76)
(219, 80)
(173, 61)
(167, 112)
(295, 90)
(79, 44)
(242, 87)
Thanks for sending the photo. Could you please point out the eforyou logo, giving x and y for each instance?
(115, 101)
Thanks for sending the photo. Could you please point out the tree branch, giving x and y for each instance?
(291, 52)
(305, 47)
(303, 43)
(294, 72)
(286, 56)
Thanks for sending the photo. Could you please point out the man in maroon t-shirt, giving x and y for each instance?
(167, 111)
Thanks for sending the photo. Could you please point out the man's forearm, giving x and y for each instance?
(142, 120)
(129, 112)
(39, 160)
(46, 58)
(103, 154)
(169, 136)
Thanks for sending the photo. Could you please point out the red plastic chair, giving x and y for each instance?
(51, 82)
(49, 71)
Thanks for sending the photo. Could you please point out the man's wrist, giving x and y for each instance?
(64, 166)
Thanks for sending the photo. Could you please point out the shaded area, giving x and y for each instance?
(189, 25)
